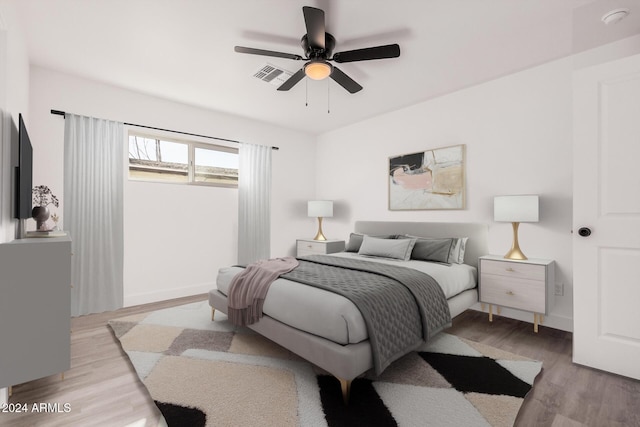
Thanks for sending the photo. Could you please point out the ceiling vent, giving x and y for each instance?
(271, 74)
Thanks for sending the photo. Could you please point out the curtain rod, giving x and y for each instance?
(63, 114)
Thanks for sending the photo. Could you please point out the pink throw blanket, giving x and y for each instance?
(248, 289)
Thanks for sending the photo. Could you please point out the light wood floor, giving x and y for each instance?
(565, 394)
(101, 386)
(103, 390)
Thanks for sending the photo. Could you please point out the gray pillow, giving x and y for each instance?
(427, 249)
(387, 248)
(355, 241)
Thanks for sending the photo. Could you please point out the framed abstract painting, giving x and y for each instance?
(430, 179)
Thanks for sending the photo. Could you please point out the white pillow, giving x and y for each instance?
(456, 255)
(387, 248)
(355, 241)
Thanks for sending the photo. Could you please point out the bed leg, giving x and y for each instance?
(213, 313)
(346, 390)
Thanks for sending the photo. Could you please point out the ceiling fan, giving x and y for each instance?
(318, 46)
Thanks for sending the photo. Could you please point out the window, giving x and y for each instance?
(153, 159)
(163, 160)
(216, 166)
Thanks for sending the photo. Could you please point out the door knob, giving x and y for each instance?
(584, 231)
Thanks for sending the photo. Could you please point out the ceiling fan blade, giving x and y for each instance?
(314, 19)
(368, 53)
(345, 81)
(293, 80)
(252, 51)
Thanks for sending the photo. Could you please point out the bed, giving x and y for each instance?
(326, 328)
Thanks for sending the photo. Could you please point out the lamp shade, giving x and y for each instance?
(320, 208)
(515, 208)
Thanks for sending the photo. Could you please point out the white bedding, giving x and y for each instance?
(333, 316)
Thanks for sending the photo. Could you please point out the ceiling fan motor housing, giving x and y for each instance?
(311, 53)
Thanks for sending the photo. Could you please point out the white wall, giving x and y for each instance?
(176, 236)
(610, 52)
(518, 135)
(14, 98)
(517, 131)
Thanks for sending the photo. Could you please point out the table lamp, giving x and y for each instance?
(515, 209)
(320, 209)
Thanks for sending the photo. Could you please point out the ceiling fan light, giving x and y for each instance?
(317, 70)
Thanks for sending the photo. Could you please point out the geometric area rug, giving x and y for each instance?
(204, 373)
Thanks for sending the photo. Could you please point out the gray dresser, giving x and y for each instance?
(35, 309)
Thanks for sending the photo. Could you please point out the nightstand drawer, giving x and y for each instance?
(513, 269)
(308, 247)
(522, 294)
(317, 247)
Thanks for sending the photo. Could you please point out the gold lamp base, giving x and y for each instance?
(320, 235)
(515, 252)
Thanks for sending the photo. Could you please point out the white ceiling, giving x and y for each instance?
(182, 50)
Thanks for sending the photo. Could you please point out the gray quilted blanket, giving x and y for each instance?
(402, 307)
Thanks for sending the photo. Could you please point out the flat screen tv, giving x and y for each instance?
(24, 173)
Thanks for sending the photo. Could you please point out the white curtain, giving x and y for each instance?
(93, 212)
(254, 203)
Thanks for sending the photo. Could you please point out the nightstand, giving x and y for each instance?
(522, 285)
(318, 247)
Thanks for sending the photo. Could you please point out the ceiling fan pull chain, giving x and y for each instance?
(306, 92)
(328, 96)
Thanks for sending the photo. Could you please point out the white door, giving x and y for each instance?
(606, 201)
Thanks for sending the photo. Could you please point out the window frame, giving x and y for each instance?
(191, 144)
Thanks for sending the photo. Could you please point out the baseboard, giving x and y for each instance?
(166, 294)
(550, 320)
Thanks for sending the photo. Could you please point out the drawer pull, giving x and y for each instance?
(510, 269)
(510, 293)
(309, 246)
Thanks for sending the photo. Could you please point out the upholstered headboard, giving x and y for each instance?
(478, 234)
